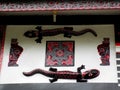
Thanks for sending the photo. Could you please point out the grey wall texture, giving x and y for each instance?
(61, 86)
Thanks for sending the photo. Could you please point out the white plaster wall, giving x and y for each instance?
(33, 55)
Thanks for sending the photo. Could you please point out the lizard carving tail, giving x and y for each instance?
(36, 71)
(77, 33)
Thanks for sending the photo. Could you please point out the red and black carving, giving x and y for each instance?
(104, 51)
(117, 34)
(78, 76)
(59, 53)
(15, 52)
(67, 31)
(2, 39)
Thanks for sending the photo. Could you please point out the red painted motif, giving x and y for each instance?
(61, 5)
(60, 53)
(2, 37)
(104, 51)
(15, 52)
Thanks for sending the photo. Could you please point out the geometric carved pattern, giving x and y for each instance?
(59, 53)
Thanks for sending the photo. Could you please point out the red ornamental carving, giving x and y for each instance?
(2, 37)
(104, 51)
(60, 5)
(15, 52)
(60, 53)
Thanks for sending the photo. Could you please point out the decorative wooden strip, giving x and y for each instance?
(118, 74)
(117, 44)
(117, 54)
(118, 80)
(2, 37)
(118, 62)
(118, 68)
(60, 5)
(117, 40)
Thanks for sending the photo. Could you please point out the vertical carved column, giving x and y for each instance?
(2, 37)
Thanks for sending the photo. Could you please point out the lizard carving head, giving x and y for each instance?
(31, 34)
